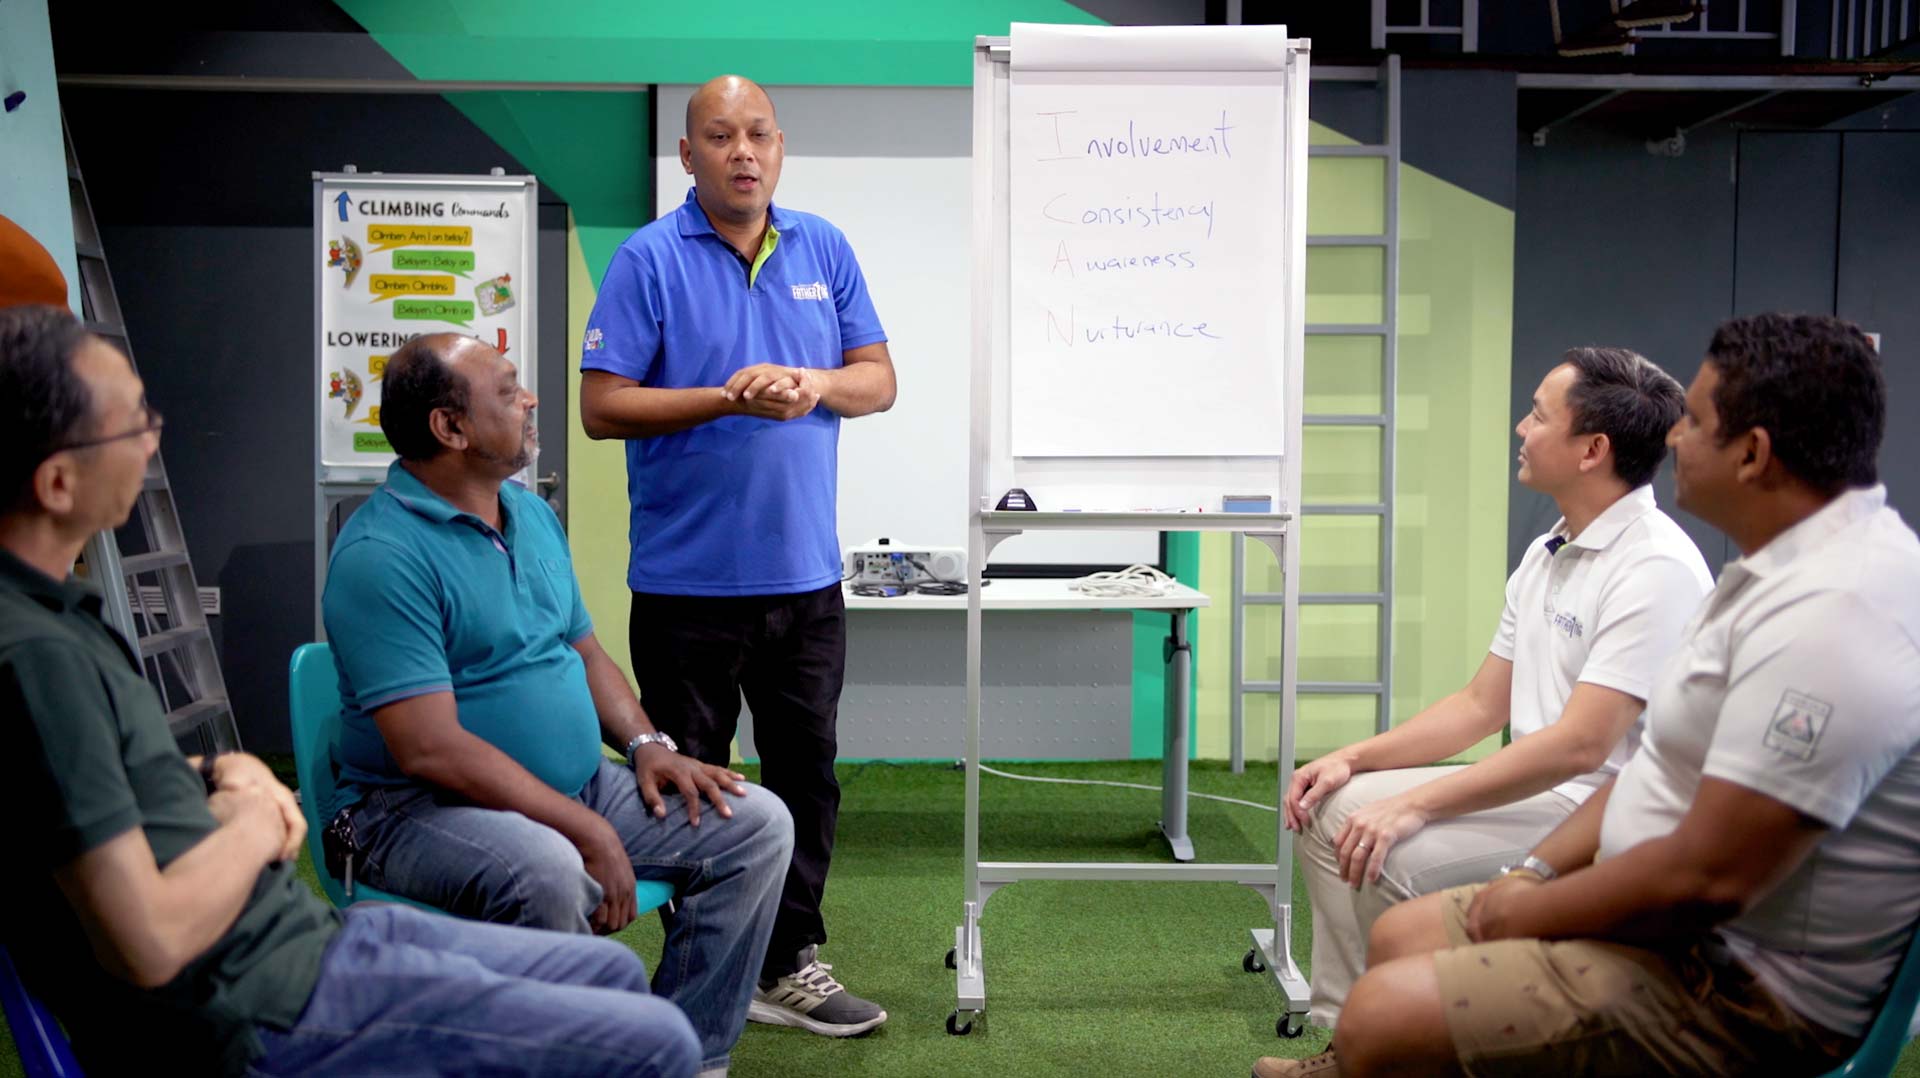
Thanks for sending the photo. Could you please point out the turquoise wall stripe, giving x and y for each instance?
(831, 44)
(1150, 632)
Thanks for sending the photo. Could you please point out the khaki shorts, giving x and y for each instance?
(1530, 1007)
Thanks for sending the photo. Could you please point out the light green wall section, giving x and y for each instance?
(33, 162)
(777, 42)
(1454, 451)
(596, 481)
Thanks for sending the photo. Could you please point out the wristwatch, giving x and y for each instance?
(206, 769)
(655, 738)
(1531, 864)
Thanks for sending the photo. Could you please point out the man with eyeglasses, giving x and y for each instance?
(152, 899)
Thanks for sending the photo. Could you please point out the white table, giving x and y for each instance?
(1017, 594)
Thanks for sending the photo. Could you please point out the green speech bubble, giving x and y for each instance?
(460, 262)
(369, 442)
(457, 311)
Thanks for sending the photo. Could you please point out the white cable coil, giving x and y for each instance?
(1134, 580)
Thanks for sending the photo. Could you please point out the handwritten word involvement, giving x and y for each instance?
(1152, 215)
(1203, 142)
(1123, 329)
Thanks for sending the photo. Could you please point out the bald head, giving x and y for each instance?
(733, 151)
(723, 94)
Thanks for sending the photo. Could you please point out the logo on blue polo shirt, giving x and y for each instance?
(816, 290)
(596, 340)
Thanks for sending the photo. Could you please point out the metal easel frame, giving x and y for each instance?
(1271, 950)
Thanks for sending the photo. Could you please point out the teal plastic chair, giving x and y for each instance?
(314, 706)
(1888, 1035)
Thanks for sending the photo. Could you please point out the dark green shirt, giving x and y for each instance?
(87, 757)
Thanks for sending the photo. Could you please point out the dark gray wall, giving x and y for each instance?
(1617, 246)
(205, 204)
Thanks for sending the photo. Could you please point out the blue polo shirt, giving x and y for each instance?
(424, 598)
(737, 506)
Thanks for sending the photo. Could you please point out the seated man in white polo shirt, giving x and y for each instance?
(1738, 899)
(1594, 608)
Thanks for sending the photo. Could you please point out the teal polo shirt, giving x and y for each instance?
(422, 597)
(738, 505)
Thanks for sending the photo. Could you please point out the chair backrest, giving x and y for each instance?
(314, 710)
(1892, 1027)
(43, 1048)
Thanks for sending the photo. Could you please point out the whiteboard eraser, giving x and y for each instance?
(1246, 503)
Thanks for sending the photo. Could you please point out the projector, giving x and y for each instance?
(885, 562)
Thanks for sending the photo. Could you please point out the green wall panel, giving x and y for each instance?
(844, 44)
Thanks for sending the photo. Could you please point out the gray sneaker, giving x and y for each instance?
(810, 999)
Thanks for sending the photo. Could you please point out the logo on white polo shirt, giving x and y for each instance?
(1566, 622)
(1796, 725)
(816, 290)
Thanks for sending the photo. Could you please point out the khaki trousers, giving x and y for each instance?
(1443, 854)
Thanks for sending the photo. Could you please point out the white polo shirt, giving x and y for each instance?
(1606, 607)
(1800, 679)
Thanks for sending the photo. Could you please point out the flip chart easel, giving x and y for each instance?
(1139, 311)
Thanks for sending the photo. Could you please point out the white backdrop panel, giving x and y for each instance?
(891, 168)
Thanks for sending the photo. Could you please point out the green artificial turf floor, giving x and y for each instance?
(1114, 979)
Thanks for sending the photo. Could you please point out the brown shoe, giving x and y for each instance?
(1323, 1065)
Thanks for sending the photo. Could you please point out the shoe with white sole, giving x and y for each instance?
(810, 999)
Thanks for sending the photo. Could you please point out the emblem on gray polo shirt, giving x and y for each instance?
(1796, 725)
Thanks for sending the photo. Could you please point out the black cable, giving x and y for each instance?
(940, 587)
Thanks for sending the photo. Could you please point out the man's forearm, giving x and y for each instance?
(147, 923)
(1649, 894)
(1451, 725)
(478, 772)
(644, 412)
(1574, 844)
(1528, 766)
(621, 716)
(856, 389)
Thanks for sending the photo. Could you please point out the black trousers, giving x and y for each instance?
(695, 656)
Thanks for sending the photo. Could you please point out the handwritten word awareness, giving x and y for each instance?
(1148, 216)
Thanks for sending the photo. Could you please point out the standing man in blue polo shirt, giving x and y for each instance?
(476, 699)
(730, 339)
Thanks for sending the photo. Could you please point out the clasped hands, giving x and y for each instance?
(770, 391)
(245, 788)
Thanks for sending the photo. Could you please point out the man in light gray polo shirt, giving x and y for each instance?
(1593, 609)
(1737, 901)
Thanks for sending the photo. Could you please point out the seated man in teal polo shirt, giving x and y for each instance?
(476, 699)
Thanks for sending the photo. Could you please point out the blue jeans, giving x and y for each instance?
(402, 992)
(491, 865)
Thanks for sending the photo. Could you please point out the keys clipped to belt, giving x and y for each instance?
(341, 849)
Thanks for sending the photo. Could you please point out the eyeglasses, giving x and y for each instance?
(151, 425)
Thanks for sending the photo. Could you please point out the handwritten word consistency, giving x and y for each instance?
(1148, 216)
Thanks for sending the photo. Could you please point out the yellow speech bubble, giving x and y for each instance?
(389, 285)
(386, 237)
(373, 416)
(376, 367)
